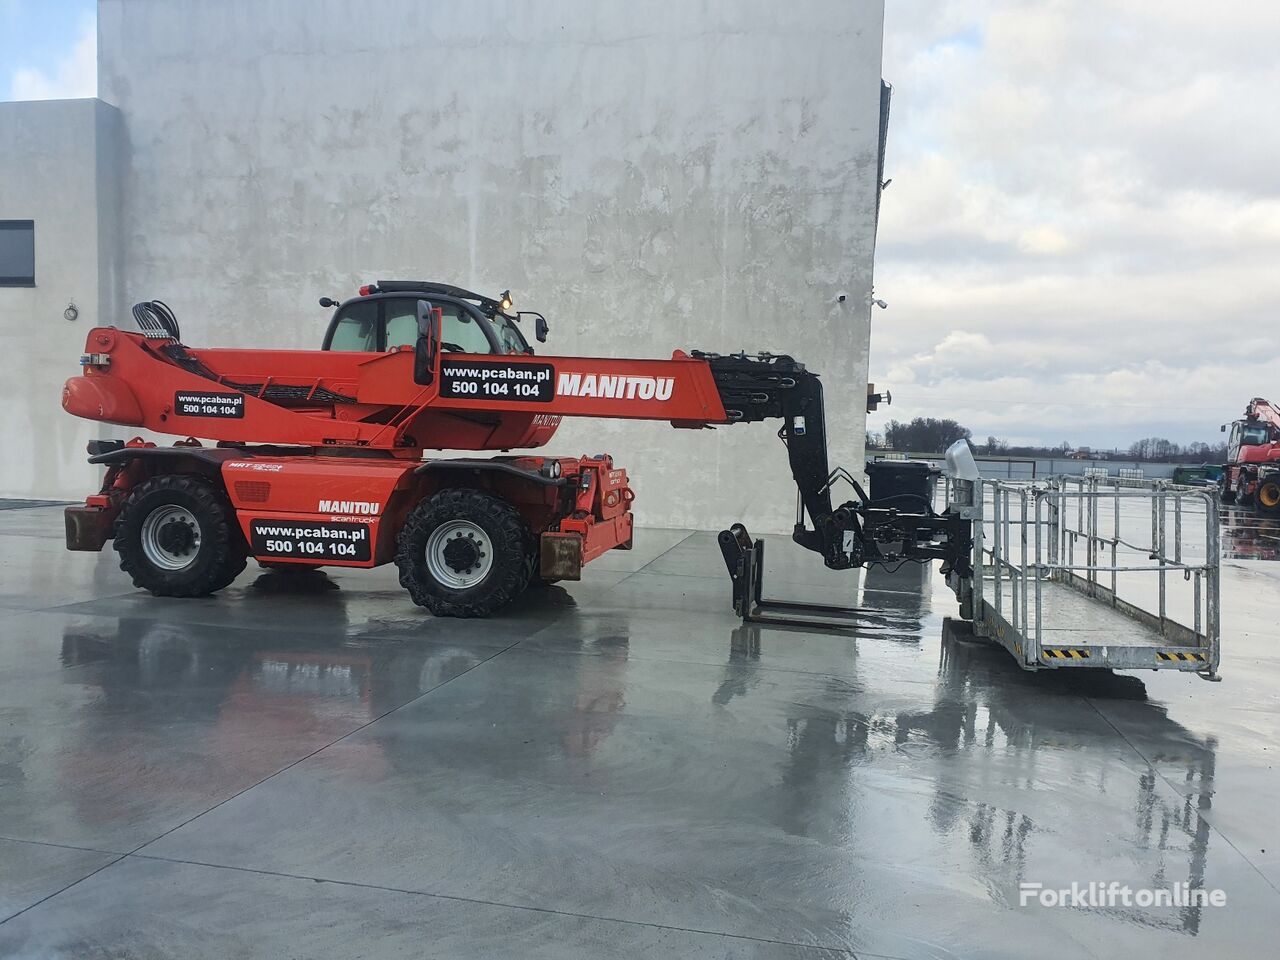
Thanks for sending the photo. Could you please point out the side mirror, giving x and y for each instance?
(326, 302)
(424, 349)
(1223, 428)
(540, 325)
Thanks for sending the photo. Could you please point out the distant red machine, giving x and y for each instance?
(319, 454)
(1251, 475)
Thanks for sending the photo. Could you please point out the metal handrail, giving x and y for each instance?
(1075, 513)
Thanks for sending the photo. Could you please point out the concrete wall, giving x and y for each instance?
(59, 166)
(651, 175)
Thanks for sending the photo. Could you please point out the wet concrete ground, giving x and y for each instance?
(315, 768)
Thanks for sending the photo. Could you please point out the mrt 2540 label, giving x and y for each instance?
(315, 540)
(481, 380)
(224, 406)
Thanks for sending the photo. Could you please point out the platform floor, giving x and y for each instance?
(315, 768)
(1070, 618)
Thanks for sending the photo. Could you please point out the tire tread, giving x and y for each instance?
(506, 581)
(230, 554)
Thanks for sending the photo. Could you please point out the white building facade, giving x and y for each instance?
(60, 275)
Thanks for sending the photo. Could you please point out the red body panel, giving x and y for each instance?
(602, 513)
(1260, 453)
(334, 495)
(347, 511)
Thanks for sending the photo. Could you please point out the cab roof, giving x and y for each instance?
(428, 286)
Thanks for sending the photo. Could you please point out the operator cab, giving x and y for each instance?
(1246, 434)
(384, 315)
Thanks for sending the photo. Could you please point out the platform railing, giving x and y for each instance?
(1072, 531)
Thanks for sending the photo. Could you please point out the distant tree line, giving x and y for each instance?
(924, 435)
(929, 435)
(1158, 448)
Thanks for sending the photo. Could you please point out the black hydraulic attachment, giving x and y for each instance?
(900, 527)
(745, 559)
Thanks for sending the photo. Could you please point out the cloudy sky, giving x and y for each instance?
(1082, 237)
(48, 49)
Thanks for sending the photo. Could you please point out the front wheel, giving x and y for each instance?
(1268, 495)
(464, 553)
(1225, 492)
(177, 537)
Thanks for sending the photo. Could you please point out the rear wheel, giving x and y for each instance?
(464, 553)
(177, 537)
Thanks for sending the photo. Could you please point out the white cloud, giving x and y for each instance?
(1081, 236)
(75, 75)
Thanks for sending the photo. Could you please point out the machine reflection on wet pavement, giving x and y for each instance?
(613, 768)
(1247, 535)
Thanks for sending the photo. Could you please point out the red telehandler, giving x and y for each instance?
(317, 456)
(1251, 474)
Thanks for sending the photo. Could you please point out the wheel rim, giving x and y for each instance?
(459, 554)
(1269, 495)
(171, 537)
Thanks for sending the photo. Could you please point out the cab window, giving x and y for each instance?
(1254, 436)
(402, 322)
(509, 337)
(357, 329)
(460, 333)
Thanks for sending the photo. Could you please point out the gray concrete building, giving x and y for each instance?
(651, 176)
(60, 275)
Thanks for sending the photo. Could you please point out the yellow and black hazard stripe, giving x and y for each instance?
(1168, 655)
(1064, 653)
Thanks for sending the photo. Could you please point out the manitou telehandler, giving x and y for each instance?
(318, 455)
(1251, 474)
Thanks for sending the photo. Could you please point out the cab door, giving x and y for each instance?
(459, 331)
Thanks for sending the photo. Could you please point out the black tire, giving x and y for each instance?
(1243, 496)
(1267, 497)
(497, 524)
(216, 559)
